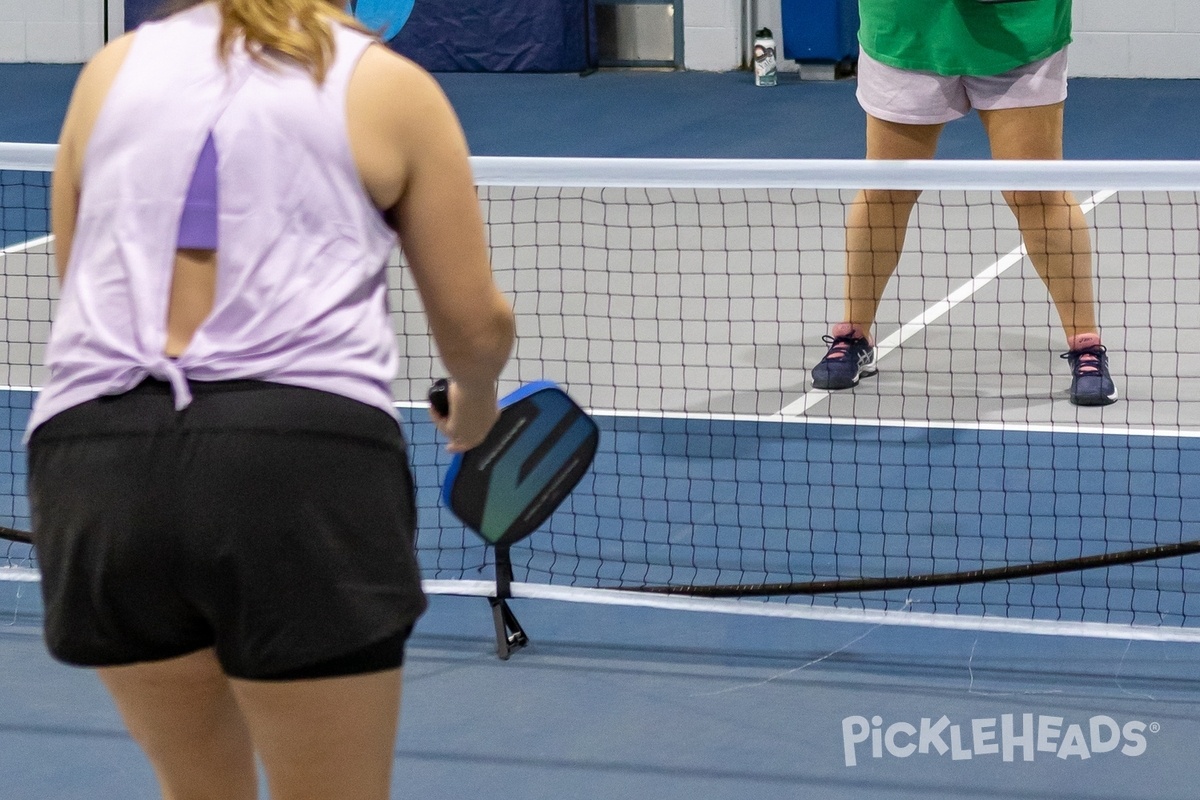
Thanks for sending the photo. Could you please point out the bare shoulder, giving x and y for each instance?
(398, 119)
(403, 90)
(384, 64)
(100, 71)
(91, 89)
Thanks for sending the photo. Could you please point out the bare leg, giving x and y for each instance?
(318, 739)
(327, 738)
(183, 714)
(878, 220)
(1052, 224)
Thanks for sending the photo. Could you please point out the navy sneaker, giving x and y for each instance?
(851, 356)
(1091, 385)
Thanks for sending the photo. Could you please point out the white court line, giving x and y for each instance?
(950, 425)
(1108, 429)
(29, 245)
(20, 574)
(935, 312)
(761, 608)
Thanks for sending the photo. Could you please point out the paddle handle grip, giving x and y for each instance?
(439, 396)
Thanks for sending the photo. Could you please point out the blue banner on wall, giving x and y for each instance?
(385, 16)
(468, 35)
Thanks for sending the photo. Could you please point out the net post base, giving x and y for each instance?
(510, 636)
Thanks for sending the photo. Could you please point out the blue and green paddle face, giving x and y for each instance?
(533, 457)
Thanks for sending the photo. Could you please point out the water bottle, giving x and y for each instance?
(765, 73)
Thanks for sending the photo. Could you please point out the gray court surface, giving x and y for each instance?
(715, 302)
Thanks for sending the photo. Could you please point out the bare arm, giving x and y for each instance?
(439, 222)
(64, 203)
(433, 205)
(88, 97)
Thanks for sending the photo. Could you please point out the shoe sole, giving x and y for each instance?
(1093, 402)
(830, 387)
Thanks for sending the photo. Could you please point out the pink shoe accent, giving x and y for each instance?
(838, 338)
(848, 329)
(1089, 362)
(1083, 341)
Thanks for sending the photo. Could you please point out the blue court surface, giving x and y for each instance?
(654, 114)
(617, 701)
(610, 701)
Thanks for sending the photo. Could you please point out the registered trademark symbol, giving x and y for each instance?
(1155, 727)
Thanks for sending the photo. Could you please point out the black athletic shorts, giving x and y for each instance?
(273, 523)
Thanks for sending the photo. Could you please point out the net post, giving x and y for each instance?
(510, 636)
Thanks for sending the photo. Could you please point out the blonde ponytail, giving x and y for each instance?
(297, 30)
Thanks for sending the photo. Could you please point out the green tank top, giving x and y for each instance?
(962, 37)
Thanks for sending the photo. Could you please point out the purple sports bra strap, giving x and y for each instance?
(198, 224)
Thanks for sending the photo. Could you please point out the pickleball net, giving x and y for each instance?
(684, 304)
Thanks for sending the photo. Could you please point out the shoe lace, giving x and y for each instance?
(1088, 361)
(839, 347)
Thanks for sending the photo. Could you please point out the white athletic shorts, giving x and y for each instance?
(913, 97)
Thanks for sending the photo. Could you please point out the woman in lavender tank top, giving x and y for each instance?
(216, 470)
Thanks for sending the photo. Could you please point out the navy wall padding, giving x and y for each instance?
(498, 36)
(138, 11)
(480, 35)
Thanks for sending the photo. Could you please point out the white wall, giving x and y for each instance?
(54, 31)
(1136, 38)
(712, 34)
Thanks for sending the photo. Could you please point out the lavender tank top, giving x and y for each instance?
(301, 295)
